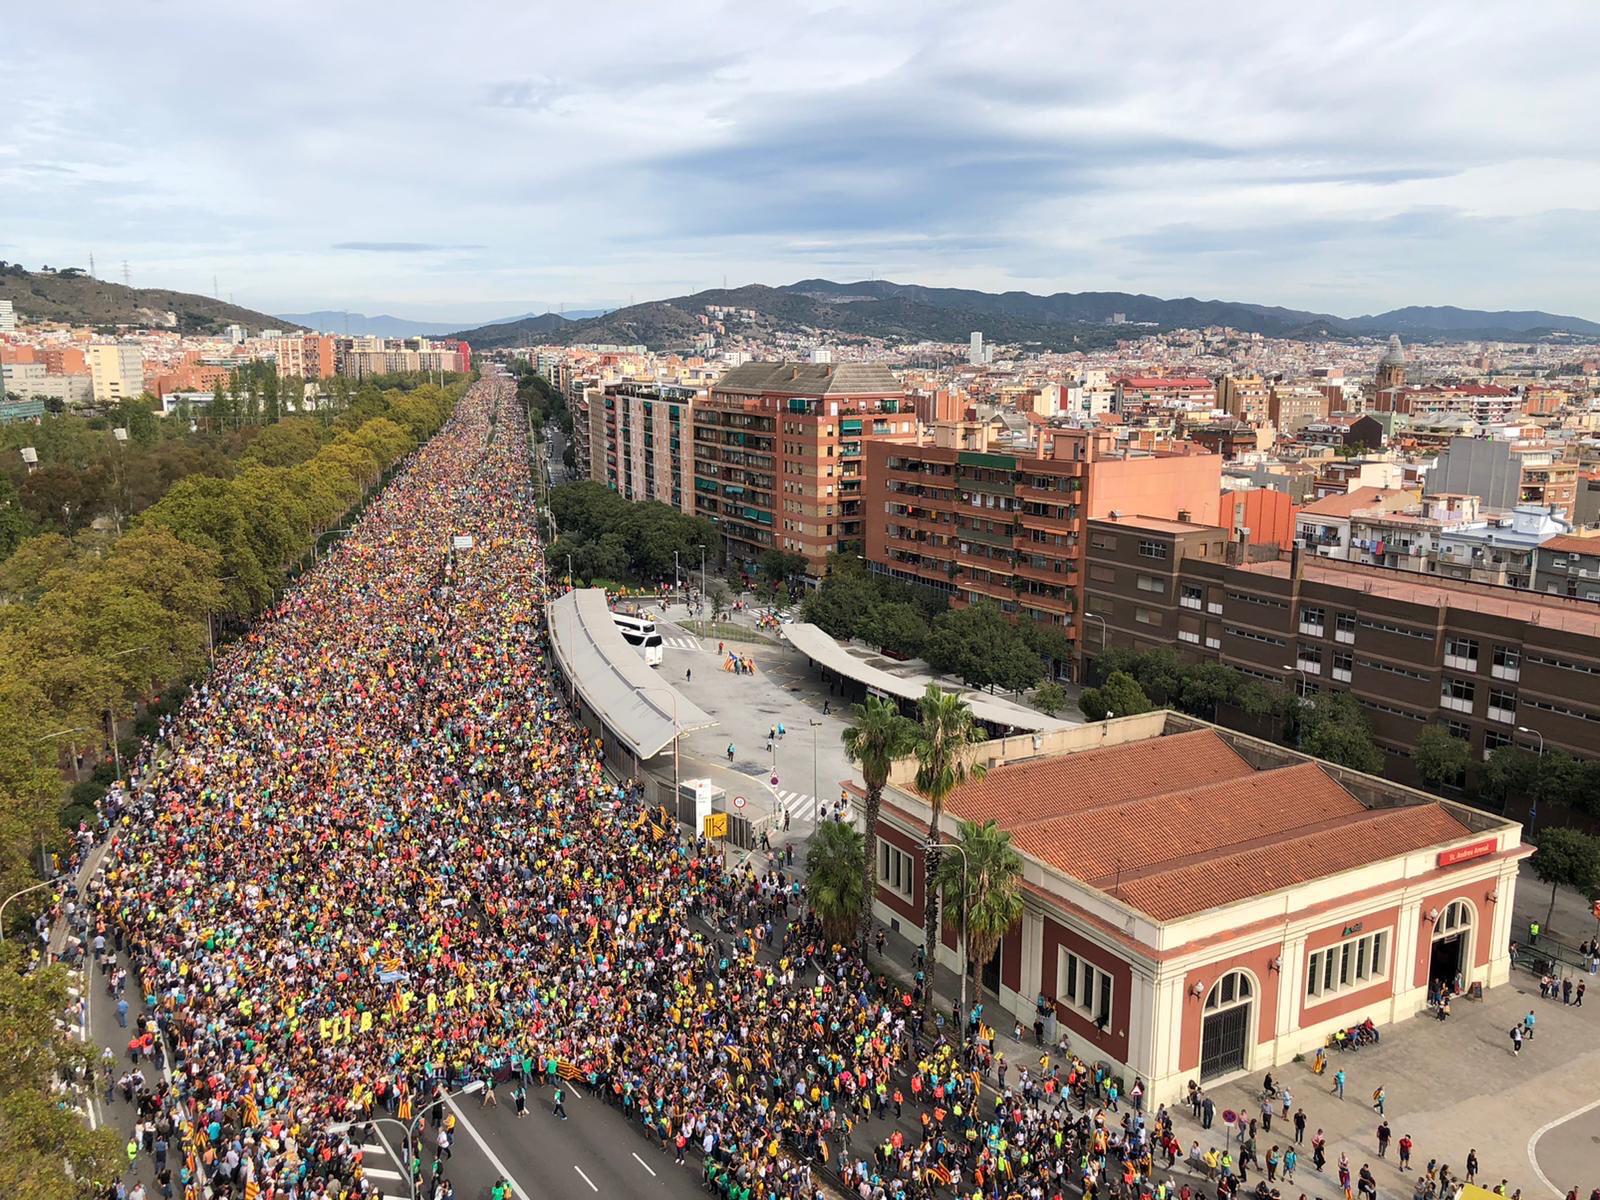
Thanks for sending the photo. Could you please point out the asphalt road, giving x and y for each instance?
(1566, 1152)
(593, 1153)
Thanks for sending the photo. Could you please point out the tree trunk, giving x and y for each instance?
(930, 913)
(869, 865)
(1550, 916)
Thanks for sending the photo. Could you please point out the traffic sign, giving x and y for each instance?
(740, 802)
(774, 781)
(716, 825)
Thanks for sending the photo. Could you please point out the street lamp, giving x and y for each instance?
(72, 745)
(703, 575)
(961, 1031)
(674, 570)
(816, 797)
(409, 1130)
(1301, 685)
(1533, 809)
(1105, 636)
(569, 572)
(31, 888)
(677, 734)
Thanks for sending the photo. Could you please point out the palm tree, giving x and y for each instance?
(878, 738)
(947, 729)
(992, 900)
(833, 877)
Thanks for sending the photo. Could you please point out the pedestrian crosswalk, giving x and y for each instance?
(799, 805)
(686, 642)
(378, 1165)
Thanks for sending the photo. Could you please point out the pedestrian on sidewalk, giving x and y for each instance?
(560, 1099)
(1378, 1098)
(1338, 1083)
(1516, 1040)
(1300, 1125)
(1383, 1139)
(1404, 1147)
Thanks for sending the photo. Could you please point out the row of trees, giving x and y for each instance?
(94, 628)
(977, 877)
(978, 644)
(1331, 727)
(611, 539)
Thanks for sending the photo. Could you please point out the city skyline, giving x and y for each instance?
(1346, 163)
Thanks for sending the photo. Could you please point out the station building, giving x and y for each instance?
(1200, 903)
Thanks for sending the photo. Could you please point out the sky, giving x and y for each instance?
(474, 160)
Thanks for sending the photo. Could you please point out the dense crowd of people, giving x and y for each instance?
(375, 857)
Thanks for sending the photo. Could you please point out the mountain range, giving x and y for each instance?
(77, 298)
(1062, 321)
(383, 325)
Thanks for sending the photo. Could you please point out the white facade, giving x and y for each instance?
(8, 317)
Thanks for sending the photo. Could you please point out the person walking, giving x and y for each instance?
(1291, 1159)
(560, 1099)
(1516, 1039)
(1378, 1098)
(1404, 1148)
(1319, 1152)
(1300, 1125)
(1338, 1083)
(1472, 1165)
(1527, 1026)
(1383, 1139)
(519, 1096)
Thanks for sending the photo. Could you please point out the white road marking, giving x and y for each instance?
(494, 1159)
(1546, 1128)
(643, 1164)
(586, 1179)
(378, 1173)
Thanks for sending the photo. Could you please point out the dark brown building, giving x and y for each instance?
(1481, 660)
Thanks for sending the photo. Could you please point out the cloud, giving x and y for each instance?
(588, 153)
(407, 247)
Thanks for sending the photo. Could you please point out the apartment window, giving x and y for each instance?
(1149, 583)
(1461, 653)
(1357, 962)
(1493, 740)
(1083, 987)
(1344, 627)
(1147, 616)
(1309, 660)
(1456, 694)
(895, 869)
(1189, 635)
(1152, 549)
(1190, 596)
(1213, 642)
(1343, 665)
(1103, 541)
(1502, 706)
(1459, 729)
(1311, 621)
(1250, 635)
(1507, 664)
(1397, 630)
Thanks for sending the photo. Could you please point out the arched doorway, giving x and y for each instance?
(1452, 943)
(1225, 1025)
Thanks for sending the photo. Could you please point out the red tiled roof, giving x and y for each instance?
(1018, 794)
(1159, 382)
(1177, 824)
(1572, 543)
(1136, 837)
(1346, 503)
(1261, 869)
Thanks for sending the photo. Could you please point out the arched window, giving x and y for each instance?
(1456, 917)
(1232, 989)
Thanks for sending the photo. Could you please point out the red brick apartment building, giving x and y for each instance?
(986, 520)
(778, 455)
(1199, 903)
(1482, 660)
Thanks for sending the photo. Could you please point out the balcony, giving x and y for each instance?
(1061, 578)
(990, 588)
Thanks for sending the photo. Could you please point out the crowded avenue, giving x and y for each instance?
(373, 921)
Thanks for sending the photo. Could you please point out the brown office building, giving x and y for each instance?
(778, 455)
(1479, 659)
(991, 520)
